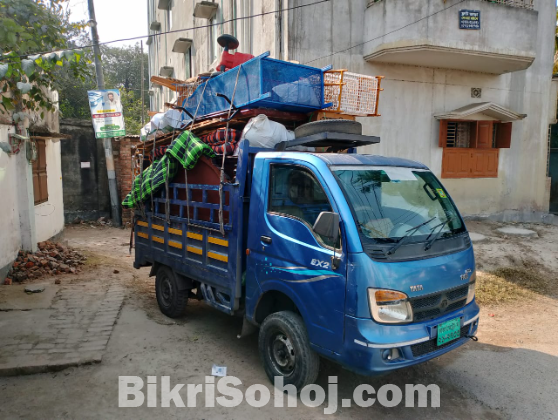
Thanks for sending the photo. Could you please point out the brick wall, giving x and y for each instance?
(122, 151)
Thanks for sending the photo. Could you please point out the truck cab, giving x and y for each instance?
(396, 285)
(361, 259)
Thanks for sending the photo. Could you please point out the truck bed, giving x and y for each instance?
(186, 234)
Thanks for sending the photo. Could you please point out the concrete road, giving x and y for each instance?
(479, 381)
(510, 373)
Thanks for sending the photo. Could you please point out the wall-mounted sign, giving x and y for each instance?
(469, 19)
(106, 110)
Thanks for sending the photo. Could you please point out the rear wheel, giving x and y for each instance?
(172, 301)
(285, 350)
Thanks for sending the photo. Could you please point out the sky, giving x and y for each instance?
(116, 19)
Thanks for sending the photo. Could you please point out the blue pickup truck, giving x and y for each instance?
(360, 259)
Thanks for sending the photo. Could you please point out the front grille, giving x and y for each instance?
(427, 301)
(429, 346)
(456, 305)
(458, 293)
(428, 314)
(431, 306)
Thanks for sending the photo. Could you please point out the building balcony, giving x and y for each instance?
(486, 36)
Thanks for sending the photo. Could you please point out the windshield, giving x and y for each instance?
(390, 203)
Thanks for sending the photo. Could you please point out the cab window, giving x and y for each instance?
(295, 192)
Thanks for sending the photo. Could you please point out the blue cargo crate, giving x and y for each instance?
(263, 82)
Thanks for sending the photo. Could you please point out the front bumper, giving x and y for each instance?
(372, 348)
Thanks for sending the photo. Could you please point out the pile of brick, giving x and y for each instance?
(51, 259)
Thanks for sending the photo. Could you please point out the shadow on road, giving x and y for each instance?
(475, 380)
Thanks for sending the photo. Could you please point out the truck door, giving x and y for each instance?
(286, 255)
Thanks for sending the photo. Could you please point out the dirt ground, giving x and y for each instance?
(528, 319)
(509, 373)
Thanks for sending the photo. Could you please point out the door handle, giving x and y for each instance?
(266, 240)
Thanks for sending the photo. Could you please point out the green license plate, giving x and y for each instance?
(449, 331)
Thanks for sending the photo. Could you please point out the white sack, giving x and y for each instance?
(262, 132)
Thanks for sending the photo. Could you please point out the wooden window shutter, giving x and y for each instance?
(443, 133)
(484, 163)
(474, 134)
(456, 163)
(36, 187)
(503, 135)
(40, 185)
(484, 135)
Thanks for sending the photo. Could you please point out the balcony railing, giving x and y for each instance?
(523, 4)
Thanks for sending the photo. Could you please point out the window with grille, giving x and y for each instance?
(471, 148)
(459, 134)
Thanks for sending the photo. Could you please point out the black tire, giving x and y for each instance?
(285, 350)
(172, 301)
(333, 126)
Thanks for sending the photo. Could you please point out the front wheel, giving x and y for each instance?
(285, 350)
(172, 301)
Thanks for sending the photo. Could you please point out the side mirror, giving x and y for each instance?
(327, 224)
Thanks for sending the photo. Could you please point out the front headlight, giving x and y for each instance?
(472, 283)
(389, 306)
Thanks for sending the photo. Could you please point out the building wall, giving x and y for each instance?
(514, 35)
(86, 194)
(412, 95)
(49, 216)
(256, 36)
(10, 237)
(122, 150)
(22, 223)
(335, 33)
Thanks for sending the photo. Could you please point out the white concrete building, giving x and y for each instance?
(467, 83)
(31, 191)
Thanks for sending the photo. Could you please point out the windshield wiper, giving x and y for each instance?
(437, 235)
(407, 233)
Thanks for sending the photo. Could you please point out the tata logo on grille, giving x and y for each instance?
(416, 288)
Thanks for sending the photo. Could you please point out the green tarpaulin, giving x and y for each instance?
(183, 152)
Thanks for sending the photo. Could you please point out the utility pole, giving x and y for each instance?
(142, 93)
(107, 142)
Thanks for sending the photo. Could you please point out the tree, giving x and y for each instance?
(122, 66)
(132, 110)
(122, 70)
(34, 39)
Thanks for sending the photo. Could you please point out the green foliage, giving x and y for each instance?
(122, 70)
(122, 66)
(131, 107)
(27, 29)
